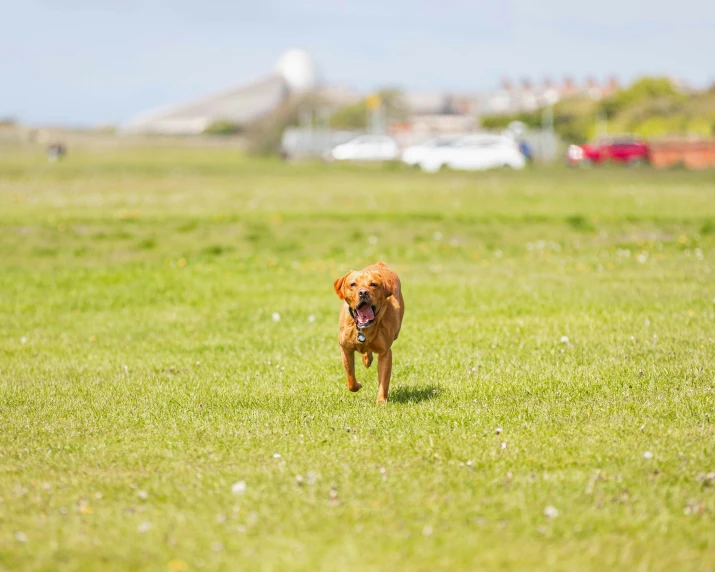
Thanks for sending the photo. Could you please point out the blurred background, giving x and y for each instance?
(465, 85)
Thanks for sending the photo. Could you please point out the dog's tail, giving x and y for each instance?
(367, 359)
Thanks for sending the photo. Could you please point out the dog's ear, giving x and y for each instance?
(340, 283)
(389, 280)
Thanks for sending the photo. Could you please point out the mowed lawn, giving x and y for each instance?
(172, 397)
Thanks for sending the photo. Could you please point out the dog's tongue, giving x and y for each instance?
(365, 314)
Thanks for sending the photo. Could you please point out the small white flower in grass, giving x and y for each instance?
(276, 455)
(437, 235)
(564, 339)
(427, 530)
(498, 430)
(311, 318)
(694, 507)
(21, 536)
(647, 455)
(372, 240)
(551, 512)
(143, 495)
(144, 527)
(23, 340)
(503, 445)
(276, 317)
(238, 488)
(642, 257)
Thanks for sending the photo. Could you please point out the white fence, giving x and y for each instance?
(303, 143)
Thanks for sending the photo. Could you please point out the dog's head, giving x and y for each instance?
(365, 292)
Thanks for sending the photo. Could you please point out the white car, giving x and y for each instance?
(475, 153)
(367, 148)
(414, 154)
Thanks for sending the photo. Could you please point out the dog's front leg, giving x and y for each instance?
(349, 365)
(384, 371)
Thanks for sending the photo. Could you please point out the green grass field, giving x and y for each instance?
(553, 393)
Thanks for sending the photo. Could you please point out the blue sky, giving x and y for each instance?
(87, 62)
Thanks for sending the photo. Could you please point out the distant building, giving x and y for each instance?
(294, 73)
(512, 98)
(429, 113)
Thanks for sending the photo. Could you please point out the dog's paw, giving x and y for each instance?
(355, 387)
(381, 400)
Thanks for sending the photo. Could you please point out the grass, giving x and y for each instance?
(559, 326)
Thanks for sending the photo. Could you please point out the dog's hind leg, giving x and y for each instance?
(367, 359)
(384, 372)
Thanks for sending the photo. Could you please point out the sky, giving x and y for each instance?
(96, 62)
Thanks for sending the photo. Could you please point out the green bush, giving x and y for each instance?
(650, 107)
(264, 136)
(355, 115)
(223, 127)
(644, 89)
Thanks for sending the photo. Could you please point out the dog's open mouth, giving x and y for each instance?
(364, 315)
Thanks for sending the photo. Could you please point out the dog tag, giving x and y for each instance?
(361, 337)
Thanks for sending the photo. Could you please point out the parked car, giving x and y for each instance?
(414, 154)
(475, 153)
(624, 149)
(367, 148)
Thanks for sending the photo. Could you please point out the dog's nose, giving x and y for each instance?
(363, 292)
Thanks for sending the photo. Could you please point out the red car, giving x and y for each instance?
(624, 150)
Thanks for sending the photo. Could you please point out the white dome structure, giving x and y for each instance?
(298, 70)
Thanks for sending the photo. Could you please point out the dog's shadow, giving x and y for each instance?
(411, 394)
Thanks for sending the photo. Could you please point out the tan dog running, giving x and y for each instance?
(370, 321)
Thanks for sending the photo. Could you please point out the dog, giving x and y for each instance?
(370, 321)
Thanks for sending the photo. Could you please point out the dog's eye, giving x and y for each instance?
(352, 285)
(373, 285)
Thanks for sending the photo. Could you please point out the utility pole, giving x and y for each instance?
(547, 128)
(374, 106)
